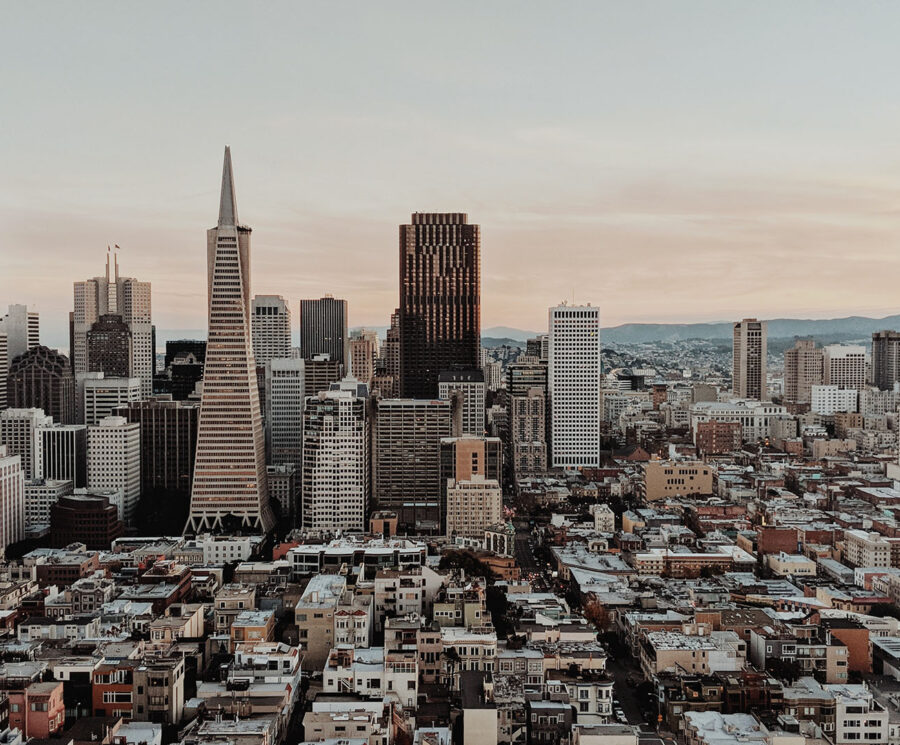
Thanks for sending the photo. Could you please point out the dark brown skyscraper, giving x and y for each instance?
(109, 347)
(440, 300)
(42, 379)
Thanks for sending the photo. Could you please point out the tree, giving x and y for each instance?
(597, 614)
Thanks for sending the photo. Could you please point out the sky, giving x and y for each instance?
(667, 161)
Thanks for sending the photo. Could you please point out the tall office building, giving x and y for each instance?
(749, 353)
(230, 467)
(109, 348)
(42, 379)
(270, 321)
(320, 373)
(470, 385)
(440, 300)
(475, 465)
(408, 434)
(387, 372)
(22, 328)
(168, 443)
(4, 368)
(573, 385)
(885, 359)
(323, 329)
(285, 394)
(528, 431)
(336, 484)
(64, 453)
(12, 499)
(102, 396)
(802, 370)
(283, 491)
(20, 433)
(40, 496)
(115, 295)
(845, 366)
(363, 355)
(114, 461)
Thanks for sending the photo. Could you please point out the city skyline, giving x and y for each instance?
(715, 172)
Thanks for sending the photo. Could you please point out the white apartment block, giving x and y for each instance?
(755, 417)
(473, 505)
(114, 460)
(285, 396)
(574, 380)
(12, 499)
(123, 296)
(493, 375)
(832, 399)
(102, 396)
(40, 496)
(858, 717)
(20, 432)
(844, 365)
(270, 328)
(604, 518)
(336, 482)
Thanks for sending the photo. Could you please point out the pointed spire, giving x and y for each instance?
(227, 203)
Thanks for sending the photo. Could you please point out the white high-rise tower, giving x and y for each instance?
(115, 295)
(271, 328)
(573, 385)
(230, 467)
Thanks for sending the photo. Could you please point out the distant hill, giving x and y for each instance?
(494, 341)
(834, 329)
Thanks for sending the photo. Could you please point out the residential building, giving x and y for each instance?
(863, 549)
(473, 505)
(230, 464)
(716, 437)
(573, 386)
(749, 359)
(467, 459)
(844, 365)
(755, 417)
(803, 368)
(830, 399)
(440, 300)
(528, 431)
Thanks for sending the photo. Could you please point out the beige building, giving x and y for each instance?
(862, 549)
(232, 600)
(795, 565)
(802, 370)
(472, 506)
(363, 353)
(690, 651)
(844, 365)
(664, 478)
(314, 616)
(749, 353)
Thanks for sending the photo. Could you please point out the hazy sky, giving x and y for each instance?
(669, 161)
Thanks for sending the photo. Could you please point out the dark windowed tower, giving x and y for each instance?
(440, 300)
(323, 329)
(109, 347)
